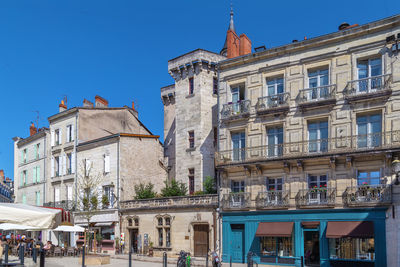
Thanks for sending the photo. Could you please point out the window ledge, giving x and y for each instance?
(190, 96)
(190, 149)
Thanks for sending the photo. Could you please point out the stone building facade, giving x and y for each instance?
(6, 188)
(307, 136)
(190, 117)
(30, 162)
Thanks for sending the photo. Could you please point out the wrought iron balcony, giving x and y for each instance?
(345, 144)
(317, 96)
(370, 87)
(68, 205)
(171, 202)
(368, 195)
(236, 201)
(272, 200)
(238, 110)
(316, 197)
(273, 104)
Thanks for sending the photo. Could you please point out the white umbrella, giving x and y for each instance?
(27, 215)
(11, 226)
(68, 228)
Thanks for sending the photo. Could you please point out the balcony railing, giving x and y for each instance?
(272, 200)
(274, 102)
(316, 197)
(317, 94)
(236, 201)
(367, 195)
(171, 202)
(343, 144)
(368, 86)
(235, 110)
(68, 205)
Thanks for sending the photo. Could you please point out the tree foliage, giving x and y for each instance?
(209, 185)
(144, 191)
(173, 188)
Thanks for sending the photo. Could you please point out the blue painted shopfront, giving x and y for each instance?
(239, 232)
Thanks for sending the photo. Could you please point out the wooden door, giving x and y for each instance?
(237, 246)
(200, 240)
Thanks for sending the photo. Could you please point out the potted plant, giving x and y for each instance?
(105, 202)
(151, 249)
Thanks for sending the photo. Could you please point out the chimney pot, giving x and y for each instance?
(32, 129)
(133, 105)
(100, 102)
(62, 107)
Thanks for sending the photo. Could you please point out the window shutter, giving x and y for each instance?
(87, 166)
(106, 163)
(38, 174)
(64, 164)
(38, 198)
(73, 162)
(22, 156)
(35, 152)
(52, 138)
(26, 177)
(21, 179)
(72, 132)
(52, 167)
(69, 192)
(34, 175)
(60, 136)
(57, 194)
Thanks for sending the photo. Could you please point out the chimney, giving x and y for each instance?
(1, 175)
(133, 105)
(232, 44)
(245, 45)
(32, 129)
(100, 102)
(62, 107)
(87, 103)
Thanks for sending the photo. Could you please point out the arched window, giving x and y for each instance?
(129, 222)
(136, 221)
(160, 221)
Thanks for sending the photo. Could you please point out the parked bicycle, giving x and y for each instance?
(184, 259)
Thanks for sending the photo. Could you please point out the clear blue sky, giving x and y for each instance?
(119, 49)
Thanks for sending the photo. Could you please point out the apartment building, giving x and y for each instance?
(30, 162)
(6, 188)
(308, 132)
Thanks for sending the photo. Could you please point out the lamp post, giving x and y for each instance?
(396, 170)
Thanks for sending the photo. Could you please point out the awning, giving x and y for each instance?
(104, 224)
(277, 229)
(363, 229)
(310, 225)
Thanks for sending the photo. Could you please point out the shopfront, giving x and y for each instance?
(336, 237)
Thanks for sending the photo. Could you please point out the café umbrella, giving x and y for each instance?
(69, 228)
(31, 216)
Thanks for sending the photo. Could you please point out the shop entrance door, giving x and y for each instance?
(311, 248)
(200, 240)
(134, 240)
(237, 243)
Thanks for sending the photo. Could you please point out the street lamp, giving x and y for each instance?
(396, 170)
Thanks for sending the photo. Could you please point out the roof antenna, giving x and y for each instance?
(65, 99)
(37, 118)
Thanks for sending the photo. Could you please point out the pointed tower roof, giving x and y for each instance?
(232, 28)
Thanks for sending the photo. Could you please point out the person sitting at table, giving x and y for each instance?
(47, 246)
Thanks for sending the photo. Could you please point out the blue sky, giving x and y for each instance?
(119, 49)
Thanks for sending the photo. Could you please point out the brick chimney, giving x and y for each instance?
(62, 107)
(245, 45)
(87, 103)
(32, 129)
(100, 102)
(2, 175)
(232, 44)
(133, 105)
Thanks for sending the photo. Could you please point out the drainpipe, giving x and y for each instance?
(76, 160)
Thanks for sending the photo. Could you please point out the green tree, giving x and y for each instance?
(209, 185)
(144, 191)
(173, 188)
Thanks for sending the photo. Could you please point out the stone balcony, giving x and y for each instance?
(311, 148)
(236, 111)
(236, 201)
(316, 197)
(272, 200)
(275, 104)
(210, 201)
(368, 195)
(321, 96)
(369, 88)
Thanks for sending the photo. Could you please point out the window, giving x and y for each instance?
(191, 86)
(69, 163)
(37, 149)
(277, 246)
(369, 177)
(366, 69)
(57, 137)
(36, 174)
(56, 194)
(57, 166)
(167, 221)
(70, 133)
(106, 163)
(108, 191)
(136, 222)
(168, 237)
(237, 186)
(275, 86)
(69, 192)
(24, 178)
(215, 86)
(317, 181)
(369, 131)
(352, 248)
(316, 82)
(274, 184)
(24, 155)
(317, 185)
(275, 141)
(238, 145)
(318, 136)
(191, 139)
(129, 222)
(191, 181)
(160, 237)
(160, 221)
(237, 97)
